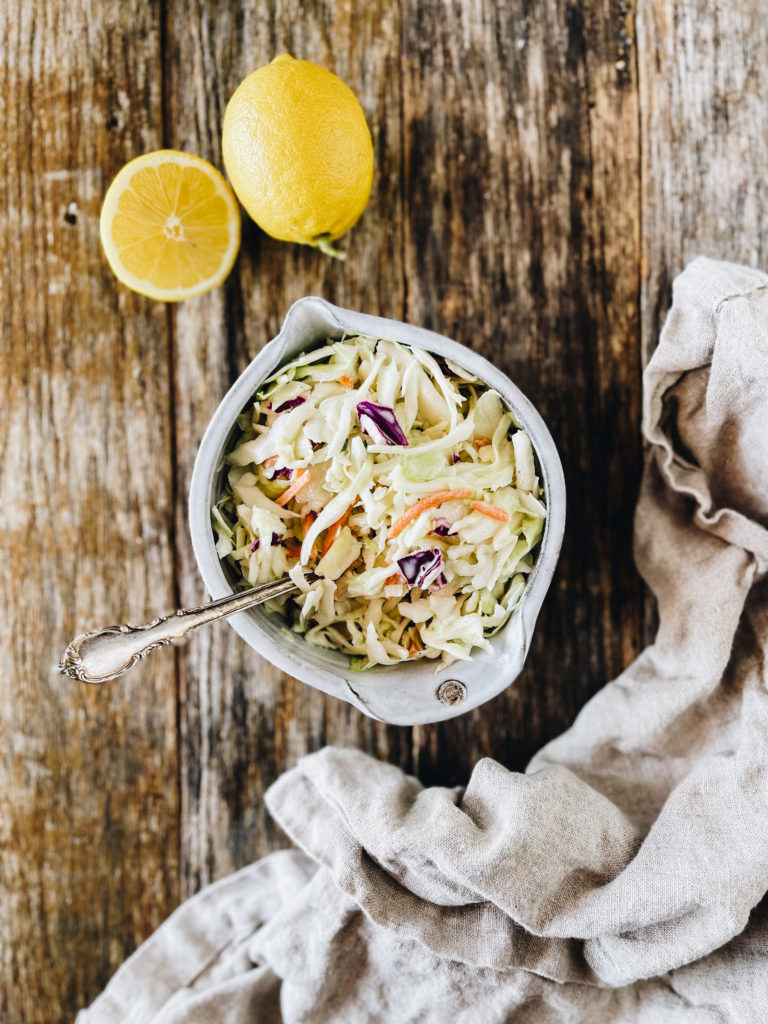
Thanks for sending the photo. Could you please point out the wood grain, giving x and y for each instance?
(703, 97)
(242, 721)
(88, 777)
(703, 87)
(522, 241)
(542, 172)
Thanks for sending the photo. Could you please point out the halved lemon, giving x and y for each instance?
(170, 226)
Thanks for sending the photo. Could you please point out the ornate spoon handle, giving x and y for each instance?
(107, 653)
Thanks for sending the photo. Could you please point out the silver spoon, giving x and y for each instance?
(108, 653)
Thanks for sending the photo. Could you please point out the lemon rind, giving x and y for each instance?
(109, 208)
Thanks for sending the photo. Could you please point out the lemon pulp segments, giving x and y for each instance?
(170, 225)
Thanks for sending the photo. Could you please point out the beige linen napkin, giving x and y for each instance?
(620, 879)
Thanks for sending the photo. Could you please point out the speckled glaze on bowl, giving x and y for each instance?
(413, 693)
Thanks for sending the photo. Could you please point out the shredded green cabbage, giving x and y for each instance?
(354, 514)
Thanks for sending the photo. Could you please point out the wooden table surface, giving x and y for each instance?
(543, 170)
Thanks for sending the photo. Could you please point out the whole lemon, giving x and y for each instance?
(298, 152)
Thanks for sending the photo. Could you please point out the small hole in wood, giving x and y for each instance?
(71, 215)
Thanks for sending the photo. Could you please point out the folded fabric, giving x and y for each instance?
(620, 879)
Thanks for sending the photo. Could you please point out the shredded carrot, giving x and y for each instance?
(346, 382)
(270, 461)
(301, 480)
(422, 504)
(492, 511)
(414, 647)
(394, 578)
(481, 442)
(333, 531)
(306, 522)
(293, 552)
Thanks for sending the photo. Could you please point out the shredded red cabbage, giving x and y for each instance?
(422, 567)
(380, 423)
(290, 404)
(276, 539)
(443, 528)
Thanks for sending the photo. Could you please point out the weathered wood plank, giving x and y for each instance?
(242, 721)
(88, 789)
(524, 194)
(522, 201)
(703, 88)
(703, 94)
(510, 233)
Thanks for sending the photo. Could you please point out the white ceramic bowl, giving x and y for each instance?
(413, 693)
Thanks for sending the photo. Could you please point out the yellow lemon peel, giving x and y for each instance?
(298, 152)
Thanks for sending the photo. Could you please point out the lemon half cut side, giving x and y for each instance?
(170, 226)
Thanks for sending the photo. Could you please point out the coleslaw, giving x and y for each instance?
(399, 478)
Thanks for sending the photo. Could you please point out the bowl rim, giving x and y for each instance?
(414, 693)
